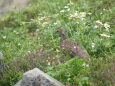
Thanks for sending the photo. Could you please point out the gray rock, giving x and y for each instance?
(19, 83)
(36, 77)
(1, 55)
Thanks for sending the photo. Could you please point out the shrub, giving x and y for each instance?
(73, 72)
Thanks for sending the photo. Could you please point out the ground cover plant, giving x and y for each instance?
(28, 40)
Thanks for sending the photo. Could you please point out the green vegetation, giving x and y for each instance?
(28, 40)
(73, 72)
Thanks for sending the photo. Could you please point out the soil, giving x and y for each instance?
(11, 5)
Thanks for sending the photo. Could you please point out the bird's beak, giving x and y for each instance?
(55, 32)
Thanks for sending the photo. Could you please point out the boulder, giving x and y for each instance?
(36, 77)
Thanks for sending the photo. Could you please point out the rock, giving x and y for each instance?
(36, 77)
(19, 83)
(74, 48)
(1, 55)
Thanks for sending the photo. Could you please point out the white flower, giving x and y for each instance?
(55, 23)
(32, 19)
(84, 23)
(77, 14)
(101, 13)
(62, 11)
(105, 35)
(25, 23)
(104, 9)
(95, 26)
(48, 63)
(107, 26)
(93, 45)
(66, 7)
(99, 22)
(74, 15)
(82, 14)
(29, 51)
(57, 50)
(89, 13)
(19, 44)
(14, 31)
(44, 23)
(4, 37)
(85, 64)
(101, 39)
(42, 18)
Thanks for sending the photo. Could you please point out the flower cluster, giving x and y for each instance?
(93, 45)
(66, 8)
(107, 26)
(99, 24)
(77, 14)
(40, 20)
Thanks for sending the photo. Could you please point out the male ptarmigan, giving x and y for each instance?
(74, 48)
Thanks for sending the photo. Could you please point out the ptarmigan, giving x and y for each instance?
(74, 48)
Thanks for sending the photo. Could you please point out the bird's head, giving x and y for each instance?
(61, 31)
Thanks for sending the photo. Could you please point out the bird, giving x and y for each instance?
(73, 48)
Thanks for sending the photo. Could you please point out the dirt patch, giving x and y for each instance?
(11, 5)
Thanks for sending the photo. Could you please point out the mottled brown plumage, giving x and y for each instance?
(74, 48)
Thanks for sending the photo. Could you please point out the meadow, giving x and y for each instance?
(28, 40)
